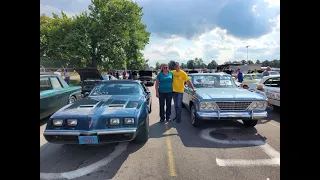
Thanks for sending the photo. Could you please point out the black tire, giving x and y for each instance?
(72, 99)
(143, 134)
(195, 121)
(250, 123)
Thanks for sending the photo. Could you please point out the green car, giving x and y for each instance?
(56, 93)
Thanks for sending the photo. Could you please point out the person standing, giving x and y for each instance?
(163, 88)
(67, 76)
(266, 72)
(179, 79)
(240, 76)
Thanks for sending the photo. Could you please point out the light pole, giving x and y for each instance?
(247, 52)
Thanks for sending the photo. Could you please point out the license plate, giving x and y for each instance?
(88, 139)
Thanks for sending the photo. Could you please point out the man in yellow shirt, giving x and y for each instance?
(179, 79)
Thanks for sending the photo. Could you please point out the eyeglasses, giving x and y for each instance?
(165, 67)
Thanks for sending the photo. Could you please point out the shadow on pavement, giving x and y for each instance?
(190, 135)
(55, 158)
(158, 130)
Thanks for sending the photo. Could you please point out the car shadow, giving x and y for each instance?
(160, 129)
(223, 132)
(56, 158)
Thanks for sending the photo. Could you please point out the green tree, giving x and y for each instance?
(183, 66)
(243, 61)
(258, 62)
(191, 64)
(111, 34)
(171, 65)
(157, 65)
(250, 62)
(212, 65)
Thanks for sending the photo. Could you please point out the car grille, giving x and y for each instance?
(241, 105)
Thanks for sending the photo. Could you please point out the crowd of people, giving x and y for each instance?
(125, 75)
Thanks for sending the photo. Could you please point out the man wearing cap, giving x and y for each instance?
(266, 72)
(179, 79)
(240, 76)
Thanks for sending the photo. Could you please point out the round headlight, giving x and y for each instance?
(254, 105)
(203, 105)
(260, 105)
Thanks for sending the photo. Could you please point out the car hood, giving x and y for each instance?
(108, 106)
(89, 74)
(228, 94)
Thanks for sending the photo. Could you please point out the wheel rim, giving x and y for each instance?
(71, 100)
(193, 117)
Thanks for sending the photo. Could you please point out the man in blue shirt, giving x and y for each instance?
(240, 76)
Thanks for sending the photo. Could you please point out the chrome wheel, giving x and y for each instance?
(72, 99)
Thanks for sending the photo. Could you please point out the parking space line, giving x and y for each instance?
(171, 165)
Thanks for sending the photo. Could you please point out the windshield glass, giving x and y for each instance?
(256, 76)
(213, 81)
(116, 89)
(274, 73)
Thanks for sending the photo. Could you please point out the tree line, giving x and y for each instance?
(198, 63)
(109, 35)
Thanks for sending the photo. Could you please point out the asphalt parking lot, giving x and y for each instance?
(221, 150)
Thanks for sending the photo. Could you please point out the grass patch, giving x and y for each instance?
(74, 82)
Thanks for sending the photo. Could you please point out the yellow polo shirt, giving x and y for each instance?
(179, 78)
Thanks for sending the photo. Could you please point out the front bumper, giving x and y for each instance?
(104, 136)
(218, 115)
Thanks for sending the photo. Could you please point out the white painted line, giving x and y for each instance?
(242, 162)
(119, 149)
(272, 153)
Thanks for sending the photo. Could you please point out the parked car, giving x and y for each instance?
(109, 77)
(56, 93)
(114, 111)
(146, 77)
(272, 88)
(217, 97)
(251, 80)
(89, 78)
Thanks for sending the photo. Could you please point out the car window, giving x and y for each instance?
(272, 82)
(45, 84)
(254, 76)
(144, 87)
(117, 89)
(274, 73)
(55, 83)
(247, 77)
(213, 81)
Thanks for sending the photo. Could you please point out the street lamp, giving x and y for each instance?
(247, 51)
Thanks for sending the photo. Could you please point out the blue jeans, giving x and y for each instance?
(165, 99)
(67, 79)
(177, 99)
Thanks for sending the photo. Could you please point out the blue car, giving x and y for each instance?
(217, 97)
(114, 111)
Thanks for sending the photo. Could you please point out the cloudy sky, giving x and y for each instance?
(207, 29)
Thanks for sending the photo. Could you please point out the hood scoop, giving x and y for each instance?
(117, 104)
(86, 106)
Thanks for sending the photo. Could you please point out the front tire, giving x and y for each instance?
(143, 134)
(195, 121)
(250, 123)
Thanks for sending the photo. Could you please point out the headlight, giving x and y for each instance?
(114, 121)
(72, 122)
(129, 120)
(57, 122)
(258, 105)
(207, 105)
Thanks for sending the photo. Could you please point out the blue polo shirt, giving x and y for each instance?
(165, 82)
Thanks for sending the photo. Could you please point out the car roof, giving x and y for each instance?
(268, 77)
(122, 81)
(48, 75)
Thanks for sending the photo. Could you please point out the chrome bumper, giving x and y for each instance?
(232, 115)
(94, 132)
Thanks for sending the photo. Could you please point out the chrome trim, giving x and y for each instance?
(77, 133)
(218, 115)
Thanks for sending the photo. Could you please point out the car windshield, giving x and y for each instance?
(213, 81)
(116, 89)
(259, 76)
(256, 76)
(274, 73)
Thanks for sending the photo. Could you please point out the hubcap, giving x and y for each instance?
(71, 100)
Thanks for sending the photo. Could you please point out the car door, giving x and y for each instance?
(272, 90)
(62, 96)
(47, 96)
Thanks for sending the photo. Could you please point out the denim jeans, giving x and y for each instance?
(177, 99)
(165, 99)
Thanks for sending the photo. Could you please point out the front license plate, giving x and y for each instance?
(88, 139)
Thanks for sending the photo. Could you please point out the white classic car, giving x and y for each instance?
(272, 88)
